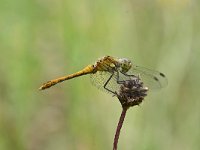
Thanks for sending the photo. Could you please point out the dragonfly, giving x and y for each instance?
(107, 73)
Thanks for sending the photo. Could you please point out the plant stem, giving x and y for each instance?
(119, 126)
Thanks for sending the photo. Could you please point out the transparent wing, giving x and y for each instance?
(100, 78)
(151, 78)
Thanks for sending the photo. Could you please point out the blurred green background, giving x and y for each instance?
(44, 39)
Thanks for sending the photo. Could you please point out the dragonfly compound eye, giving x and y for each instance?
(125, 64)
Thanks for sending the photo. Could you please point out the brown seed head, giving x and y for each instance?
(132, 92)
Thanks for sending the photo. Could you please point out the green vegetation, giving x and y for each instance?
(41, 40)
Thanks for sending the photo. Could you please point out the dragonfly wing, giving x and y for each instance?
(100, 78)
(151, 78)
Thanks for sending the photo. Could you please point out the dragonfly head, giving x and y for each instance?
(125, 64)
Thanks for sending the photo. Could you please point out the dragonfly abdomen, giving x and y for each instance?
(87, 70)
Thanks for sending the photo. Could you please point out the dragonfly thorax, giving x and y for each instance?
(125, 64)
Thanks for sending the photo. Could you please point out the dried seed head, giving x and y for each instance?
(132, 92)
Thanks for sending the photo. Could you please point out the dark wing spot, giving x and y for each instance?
(155, 78)
(161, 74)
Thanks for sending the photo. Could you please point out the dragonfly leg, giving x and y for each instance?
(107, 83)
(122, 81)
(118, 81)
(130, 75)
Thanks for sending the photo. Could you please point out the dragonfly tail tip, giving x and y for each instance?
(40, 88)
